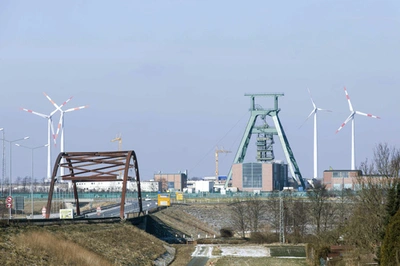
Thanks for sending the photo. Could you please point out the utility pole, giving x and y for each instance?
(3, 166)
(218, 151)
(32, 172)
(10, 177)
(282, 218)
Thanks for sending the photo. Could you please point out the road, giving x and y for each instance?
(131, 206)
(201, 255)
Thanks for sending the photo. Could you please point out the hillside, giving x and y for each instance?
(107, 244)
(88, 244)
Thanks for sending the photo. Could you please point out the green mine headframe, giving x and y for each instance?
(267, 132)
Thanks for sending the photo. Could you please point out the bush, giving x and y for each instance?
(257, 237)
(226, 232)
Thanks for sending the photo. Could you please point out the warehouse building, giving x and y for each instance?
(341, 179)
(258, 176)
(172, 181)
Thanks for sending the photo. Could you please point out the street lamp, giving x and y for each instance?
(3, 164)
(10, 177)
(32, 149)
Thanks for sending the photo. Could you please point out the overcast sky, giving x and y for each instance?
(170, 77)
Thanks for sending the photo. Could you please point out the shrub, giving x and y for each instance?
(390, 250)
(226, 232)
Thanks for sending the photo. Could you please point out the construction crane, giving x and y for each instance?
(218, 151)
(119, 139)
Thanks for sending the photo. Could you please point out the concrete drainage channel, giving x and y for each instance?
(166, 258)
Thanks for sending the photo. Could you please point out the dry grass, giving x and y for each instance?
(46, 247)
(183, 254)
(176, 218)
(89, 244)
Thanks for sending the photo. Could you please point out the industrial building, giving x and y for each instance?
(260, 176)
(172, 181)
(145, 186)
(197, 186)
(341, 179)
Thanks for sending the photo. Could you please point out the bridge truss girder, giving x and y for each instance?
(96, 167)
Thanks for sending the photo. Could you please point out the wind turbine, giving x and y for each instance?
(61, 124)
(50, 133)
(351, 118)
(314, 112)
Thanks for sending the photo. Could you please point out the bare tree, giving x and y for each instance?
(256, 208)
(366, 226)
(164, 184)
(239, 217)
(25, 181)
(318, 198)
(297, 211)
(273, 211)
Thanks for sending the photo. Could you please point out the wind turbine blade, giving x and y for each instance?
(59, 107)
(326, 110)
(312, 101)
(76, 108)
(48, 97)
(312, 112)
(55, 105)
(52, 131)
(350, 117)
(64, 103)
(348, 100)
(35, 113)
(369, 115)
(59, 125)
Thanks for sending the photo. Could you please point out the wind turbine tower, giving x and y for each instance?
(314, 112)
(61, 125)
(50, 133)
(351, 118)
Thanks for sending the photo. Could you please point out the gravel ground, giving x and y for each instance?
(215, 216)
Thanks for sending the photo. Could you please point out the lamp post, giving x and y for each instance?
(3, 162)
(32, 149)
(10, 177)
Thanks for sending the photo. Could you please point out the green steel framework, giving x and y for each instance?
(266, 131)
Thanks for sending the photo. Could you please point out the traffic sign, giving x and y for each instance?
(9, 205)
(9, 199)
(98, 209)
(44, 211)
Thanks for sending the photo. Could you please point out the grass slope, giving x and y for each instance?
(97, 244)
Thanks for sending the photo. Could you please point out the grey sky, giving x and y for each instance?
(170, 76)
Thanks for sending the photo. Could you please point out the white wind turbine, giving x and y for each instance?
(61, 124)
(314, 112)
(50, 132)
(351, 118)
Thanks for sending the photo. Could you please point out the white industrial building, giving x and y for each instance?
(145, 186)
(199, 186)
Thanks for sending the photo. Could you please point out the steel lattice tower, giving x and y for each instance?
(265, 137)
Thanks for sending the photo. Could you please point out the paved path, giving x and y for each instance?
(201, 255)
